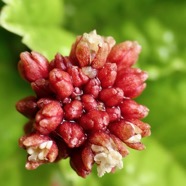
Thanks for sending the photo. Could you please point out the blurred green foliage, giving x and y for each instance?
(49, 26)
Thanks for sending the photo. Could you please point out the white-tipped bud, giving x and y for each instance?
(40, 152)
(106, 158)
(137, 137)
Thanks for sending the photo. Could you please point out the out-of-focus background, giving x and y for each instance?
(50, 26)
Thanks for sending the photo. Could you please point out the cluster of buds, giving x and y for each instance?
(84, 107)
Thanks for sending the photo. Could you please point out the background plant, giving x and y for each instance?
(49, 26)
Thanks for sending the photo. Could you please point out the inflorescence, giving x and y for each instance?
(84, 107)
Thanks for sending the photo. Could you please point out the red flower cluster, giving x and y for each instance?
(84, 106)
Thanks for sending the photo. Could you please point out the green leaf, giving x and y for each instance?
(163, 163)
(39, 23)
(13, 88)
(167, 114)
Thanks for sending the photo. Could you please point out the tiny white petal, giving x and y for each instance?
(134, 139)
(106, 159)
(89, 71)
(137, 130)
(43, 122)
(40, 152)
(97, 148)
(93, 39)
(30, 150)
(100, 157)
(41, 155)
(43, 145)
(49, 144)
(32, 157)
